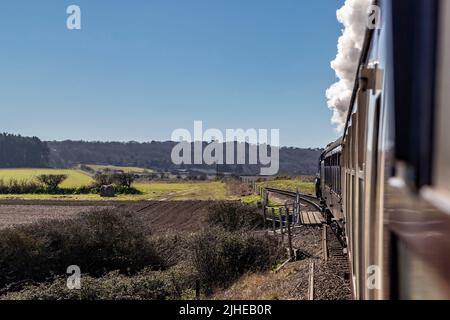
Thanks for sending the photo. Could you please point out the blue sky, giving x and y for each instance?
(140, 69)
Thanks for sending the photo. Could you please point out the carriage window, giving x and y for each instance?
(414, 84)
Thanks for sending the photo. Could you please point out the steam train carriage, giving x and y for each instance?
(386, 183)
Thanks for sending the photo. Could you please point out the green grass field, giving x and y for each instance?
(150, 191)
(213, 190)
(75, 178)
(124, 169)
(290, 185)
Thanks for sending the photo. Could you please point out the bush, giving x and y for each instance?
(51, 181)
(97, 242)
(14, 186)
(215, 257)
(235, 216)
(176, 283)
(220, 257)
(87, 168)
(103, 179)
(123, 179)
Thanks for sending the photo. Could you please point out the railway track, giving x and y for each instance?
(304, 197)
(313, 201)
(335, 264)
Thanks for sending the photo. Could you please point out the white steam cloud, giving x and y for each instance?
(353, 15)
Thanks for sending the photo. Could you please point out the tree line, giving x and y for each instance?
(17, 151)
(157, 155)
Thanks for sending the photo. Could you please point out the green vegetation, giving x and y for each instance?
(97, 242)
(221, 257)
(120, 259)
(251, 199)
(23, 152)
(207, 190)
(96, 167)
(211, 190)
(146, 285)
(51, 181)
(156, 155)
(290, 185)
(75, 178)
(76, 186)
(235, 216)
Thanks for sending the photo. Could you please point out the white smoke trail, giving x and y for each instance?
(353, 15)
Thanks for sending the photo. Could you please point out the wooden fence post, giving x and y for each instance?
(324, 242)
(265, 206)
(273, 221)
(291, 250)
(298, 206)
(197, 289)
(311, 282)
(281, 224)
(265, 216)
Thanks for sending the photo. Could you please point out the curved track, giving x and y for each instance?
(305, 197)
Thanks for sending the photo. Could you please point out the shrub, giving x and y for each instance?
(214, 257)
(86, 168)
(220, 257)
(146, 285)
(103, 179)
(97, 242)
(235, 216)
(123, 179)
(51, 181)
(172, 248)
(14, 186)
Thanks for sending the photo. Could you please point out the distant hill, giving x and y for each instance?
(30, 152)
(156, 155)
(22, 152)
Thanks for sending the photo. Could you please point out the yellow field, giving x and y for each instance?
(124, 169)
(290, 185)
(213, 190)
(75, 178)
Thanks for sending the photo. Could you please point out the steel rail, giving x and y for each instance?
(307, 198)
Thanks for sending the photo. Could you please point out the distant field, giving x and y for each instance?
(290, 185)
(124, 169)
(212, 190)
(75, 178)
(184, 191)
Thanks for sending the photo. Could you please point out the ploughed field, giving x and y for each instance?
(159, 216)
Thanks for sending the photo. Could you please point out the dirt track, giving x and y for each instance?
(159, 216)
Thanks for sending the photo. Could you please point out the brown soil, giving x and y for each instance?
(174, 216)
(11, 215)
(159, 216)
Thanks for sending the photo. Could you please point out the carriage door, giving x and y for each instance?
(368, 137)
